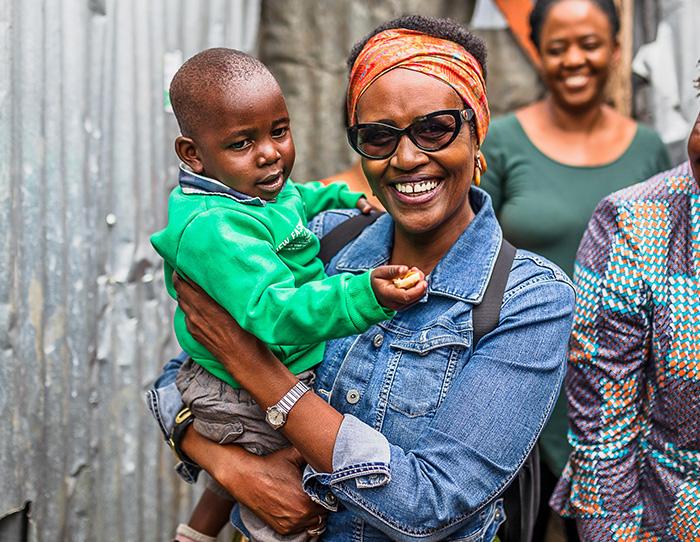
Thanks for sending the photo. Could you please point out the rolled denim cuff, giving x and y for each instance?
(361, 455)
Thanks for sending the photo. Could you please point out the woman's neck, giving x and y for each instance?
(583, 121)
(425, 250)
(593, 136)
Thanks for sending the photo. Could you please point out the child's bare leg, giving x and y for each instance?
(211, 514)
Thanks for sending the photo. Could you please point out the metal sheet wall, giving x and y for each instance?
(85, 168)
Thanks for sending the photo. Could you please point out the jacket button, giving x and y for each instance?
(353, 396)
(330, 499)
(378, 340)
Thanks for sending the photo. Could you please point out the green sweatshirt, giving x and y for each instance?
(259, 261)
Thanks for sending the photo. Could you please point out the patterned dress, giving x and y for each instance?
(633, 383)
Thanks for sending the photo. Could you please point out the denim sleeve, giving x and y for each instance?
(164, 402)
(481, 434)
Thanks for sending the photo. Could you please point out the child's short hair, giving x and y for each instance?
(213, 70)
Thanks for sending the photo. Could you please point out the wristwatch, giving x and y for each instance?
(183, 420)
(276, 415)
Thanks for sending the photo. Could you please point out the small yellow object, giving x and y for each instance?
(407, 281)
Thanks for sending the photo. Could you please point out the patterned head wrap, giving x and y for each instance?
(443, 59)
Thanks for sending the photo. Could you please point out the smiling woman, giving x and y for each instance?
(418, 426)
(550, 163)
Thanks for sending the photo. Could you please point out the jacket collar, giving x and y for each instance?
(463, 273)
(193, 183)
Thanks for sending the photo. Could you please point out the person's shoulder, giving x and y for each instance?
(504, 138)
(502, 125)
(529, 266)
(648, 137)
(535, 280)
(658, 187)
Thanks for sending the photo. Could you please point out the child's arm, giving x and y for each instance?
(318, 197)
(234, 259)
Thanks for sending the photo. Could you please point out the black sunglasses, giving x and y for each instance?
(430, 132)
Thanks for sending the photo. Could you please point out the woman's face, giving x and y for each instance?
(423, 191)
(577, 53)
(694, 150)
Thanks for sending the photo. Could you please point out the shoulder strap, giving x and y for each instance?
(485, 315)
(343, 233)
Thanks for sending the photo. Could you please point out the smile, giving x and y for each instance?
(416, 188)
(576, 81)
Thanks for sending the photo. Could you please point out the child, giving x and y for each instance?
(236, 226)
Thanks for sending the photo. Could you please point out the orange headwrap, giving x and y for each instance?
(440, 58)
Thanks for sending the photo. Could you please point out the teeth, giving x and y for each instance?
(416, 188)
(576, 80)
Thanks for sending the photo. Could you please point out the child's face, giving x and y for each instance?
(247, 144)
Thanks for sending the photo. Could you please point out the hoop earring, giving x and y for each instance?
(477, 170)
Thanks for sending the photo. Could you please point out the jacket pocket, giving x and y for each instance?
(424, 368)
(419, 376)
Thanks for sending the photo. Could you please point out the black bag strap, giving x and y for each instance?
(485, 315)
(343, 233)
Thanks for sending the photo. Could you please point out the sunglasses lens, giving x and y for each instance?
(434, 132)
(375, 140)
(430, 133)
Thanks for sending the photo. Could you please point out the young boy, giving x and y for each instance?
(236, 226)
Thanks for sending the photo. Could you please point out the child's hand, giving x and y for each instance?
(366, 206)
(391, 296)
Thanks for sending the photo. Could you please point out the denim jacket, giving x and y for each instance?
(434, 430)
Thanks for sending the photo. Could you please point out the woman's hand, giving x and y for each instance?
(270, 486)
(210, 324)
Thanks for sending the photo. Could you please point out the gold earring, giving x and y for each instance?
(477, 170)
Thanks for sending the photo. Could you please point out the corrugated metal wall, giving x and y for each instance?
(86, 164)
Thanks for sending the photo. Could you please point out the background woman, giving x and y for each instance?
(633, 381)
(415, 431)
(550, 163)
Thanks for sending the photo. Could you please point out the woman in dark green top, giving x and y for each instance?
(550, 163)
(544, 205)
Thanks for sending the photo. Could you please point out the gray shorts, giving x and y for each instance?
(229, 415)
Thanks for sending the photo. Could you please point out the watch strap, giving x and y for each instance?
(292, 396)
(183, 420)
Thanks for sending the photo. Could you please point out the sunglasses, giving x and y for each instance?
(430, 132)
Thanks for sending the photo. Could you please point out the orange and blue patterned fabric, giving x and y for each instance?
(412, 50)
(633, 383)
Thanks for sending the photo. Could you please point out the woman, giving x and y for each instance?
(550, 163)
(414, 432)
(633, 390)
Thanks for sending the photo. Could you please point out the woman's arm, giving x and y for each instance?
(312, 423)
(605, 384)
(471, 450)
(268, 485)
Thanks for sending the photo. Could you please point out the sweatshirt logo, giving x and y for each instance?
(299, 237)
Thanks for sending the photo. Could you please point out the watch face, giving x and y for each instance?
(275, 417)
